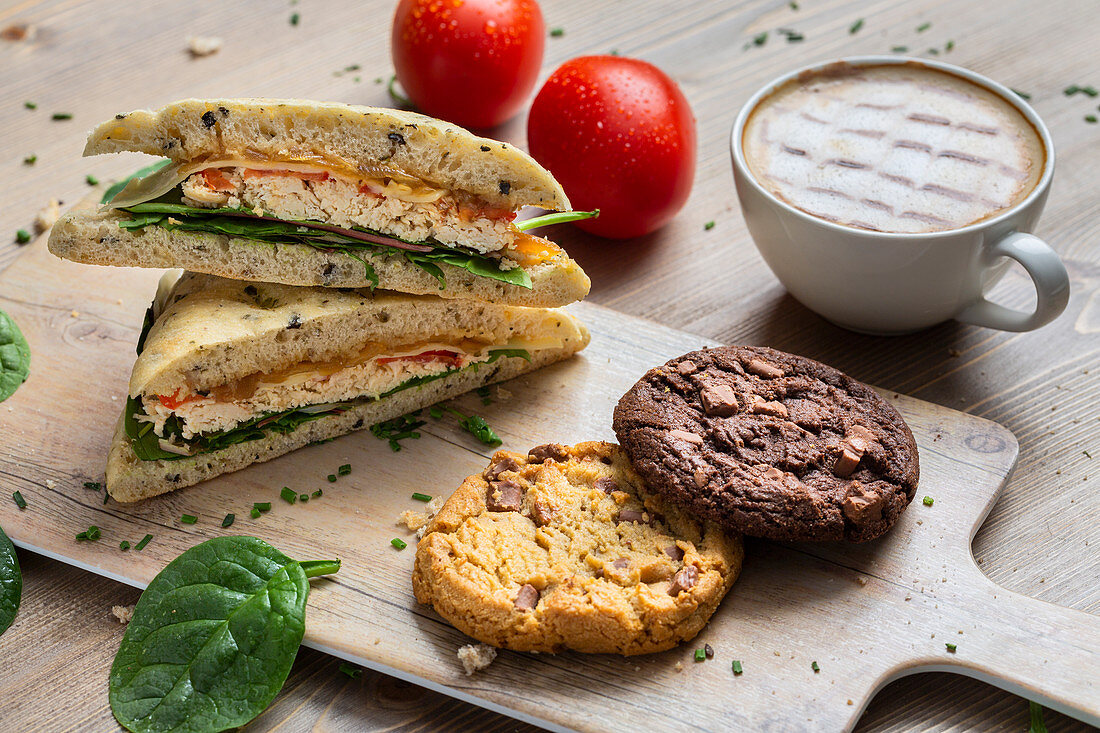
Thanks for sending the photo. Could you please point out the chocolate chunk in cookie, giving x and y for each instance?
(584, 557)
(770, 444)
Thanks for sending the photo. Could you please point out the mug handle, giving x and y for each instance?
(1051, 286)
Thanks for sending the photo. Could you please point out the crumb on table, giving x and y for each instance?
(476, 657)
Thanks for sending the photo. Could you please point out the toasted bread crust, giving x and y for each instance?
(366, 138)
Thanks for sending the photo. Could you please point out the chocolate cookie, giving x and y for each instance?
(770, 444)
(566, 548)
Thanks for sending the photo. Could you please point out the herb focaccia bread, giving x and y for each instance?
(566, 548)
(230, 373)
(311, 193)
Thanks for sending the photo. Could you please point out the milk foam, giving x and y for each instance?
(893, 148)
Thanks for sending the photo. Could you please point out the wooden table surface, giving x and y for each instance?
(93, 59)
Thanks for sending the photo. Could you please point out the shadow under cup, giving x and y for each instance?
(893, 283)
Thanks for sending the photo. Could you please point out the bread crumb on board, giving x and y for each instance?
(476, 657)
(418, 521)
(123, 613)
(203, 45)
(49, 214)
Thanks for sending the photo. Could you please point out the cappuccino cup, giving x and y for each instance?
(890, 194)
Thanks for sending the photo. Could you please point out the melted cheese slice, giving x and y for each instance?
(383, 182)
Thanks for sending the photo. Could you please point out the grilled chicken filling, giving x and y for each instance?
(409, 212)
(371, 375)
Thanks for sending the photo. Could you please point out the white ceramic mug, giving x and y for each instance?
(893, 283)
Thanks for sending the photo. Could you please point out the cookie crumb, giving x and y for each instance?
(203, 45)
(679, 667)
(123, 613)
(476, 657)
(51, 484)
(418, 521)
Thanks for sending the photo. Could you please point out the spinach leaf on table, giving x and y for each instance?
(213, 637)
(11, 582)
(15, 357)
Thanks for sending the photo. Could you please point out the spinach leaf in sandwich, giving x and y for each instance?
(146, 444)
(169, 212)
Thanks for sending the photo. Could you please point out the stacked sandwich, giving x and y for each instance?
(343, 266)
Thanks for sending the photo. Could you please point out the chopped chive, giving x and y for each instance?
(1071, 90)
(61, 116)
(815, 667)
(255, 513)
(949, 46)
(1089, 91)
(189, 519)
(294, 18)
(708, 226)
(435, 411)
(288, 495)
(854, 28)
(795, 37)
(1090, 119)
(951, 648)
(344, 470)
(760, 39)
(1021, 95)
(737, 667)
(933, 51)
(22, 236)
(1035, 712)
(792, 5)
(303, 497)
(19, 500)
(91, 534)
(399, 543)
(317, 493)
(332, 478)
(557, 32)
(91, 180)
(700, 655)
(900, 49)
(144, 541)
(350, 671)
(30, 105)
(92, 485)
(614, 52)
(228, 521)
(1087, 454)
(928, 500)
(923, 27)
(30, 159)
(106, 498)
(124, 545)
(421, 497)
(262, 506)
(483, 393)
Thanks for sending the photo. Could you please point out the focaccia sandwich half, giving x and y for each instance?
(336, 195)
(232, 373)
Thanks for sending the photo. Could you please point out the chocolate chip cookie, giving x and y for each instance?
(770, 444)
(566, 548)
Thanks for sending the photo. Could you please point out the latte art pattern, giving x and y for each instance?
(892, 148)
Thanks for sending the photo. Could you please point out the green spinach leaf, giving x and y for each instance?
(169, 213)
(213, 637)
(15, 357)
(113, 190)
(11, 582)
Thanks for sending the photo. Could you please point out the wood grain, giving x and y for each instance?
(881, 604)
(94, 59)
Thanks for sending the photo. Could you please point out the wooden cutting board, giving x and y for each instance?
(866, 614)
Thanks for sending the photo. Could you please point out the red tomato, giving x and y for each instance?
(473, 62)
(619, 136)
